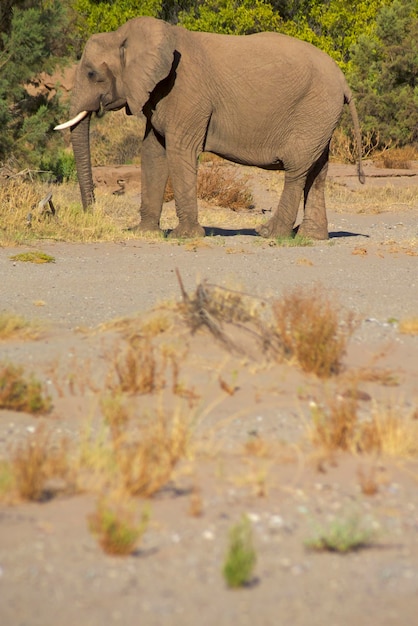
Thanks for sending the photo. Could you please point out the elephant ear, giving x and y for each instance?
(147, 54)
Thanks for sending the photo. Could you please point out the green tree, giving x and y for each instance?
(97, 16)
(332, 25)
(232, 17)
(384, 75)
(31, 44)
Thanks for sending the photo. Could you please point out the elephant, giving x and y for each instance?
(266, 99)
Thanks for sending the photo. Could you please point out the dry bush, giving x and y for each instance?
(303, 326)
(131, 455)
(310, 331)
(335, 428)
(213, 306)
(115, 526)
(409, 326)
(389, 433)
(37, 462)
(147, 465)
(13, 326)
(338, 427)
(344, 150)
(116, 413)
(20, 394)
(220, 185)
(397, 158)
(137, 369)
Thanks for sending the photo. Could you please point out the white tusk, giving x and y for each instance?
(72, 122)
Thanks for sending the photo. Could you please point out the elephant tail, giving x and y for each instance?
(357, 133)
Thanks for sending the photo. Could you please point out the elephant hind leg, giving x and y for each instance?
(283, 220)
(315, 224)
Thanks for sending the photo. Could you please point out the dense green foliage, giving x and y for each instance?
(374, 41)
(32, 41)
(384, 75)
(232, 17)
(104, 15)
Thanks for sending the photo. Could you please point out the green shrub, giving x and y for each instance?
(241, 557)
(60, 165)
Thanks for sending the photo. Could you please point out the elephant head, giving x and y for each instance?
(117, 69)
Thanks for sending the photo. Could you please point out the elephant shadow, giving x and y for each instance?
(211, 231)
(343, 233)
(215, 231)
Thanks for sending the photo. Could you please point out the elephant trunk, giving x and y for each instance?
(80, 139)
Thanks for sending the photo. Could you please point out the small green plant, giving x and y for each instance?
(345, 534)
(33, 257)
(20, 394)
(292, 242)
(241, 556)
(114, 525)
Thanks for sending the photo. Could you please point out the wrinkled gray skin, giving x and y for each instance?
(267, 100)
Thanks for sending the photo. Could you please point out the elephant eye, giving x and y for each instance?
(91, 74)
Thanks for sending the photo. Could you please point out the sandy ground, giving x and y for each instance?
(51, 569)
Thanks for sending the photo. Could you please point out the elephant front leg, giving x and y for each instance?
(315, 224)
(183, 175)
(154, 176)
(283, 220)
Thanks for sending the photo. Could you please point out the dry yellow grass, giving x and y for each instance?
(386, 432)
(409, 326)
(37, 461)
(13, 326)
(397, 158)
(312, 330)
(115, 525)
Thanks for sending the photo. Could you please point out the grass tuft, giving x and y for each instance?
(343, 535)
(20, 394)
(36, 256)
(338, 427)
(14, 326)
(37, 462)
(147, 465)
(114, 525)
(409, 326)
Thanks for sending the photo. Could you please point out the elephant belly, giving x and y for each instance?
(242, 144)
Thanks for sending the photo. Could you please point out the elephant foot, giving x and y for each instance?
(184, 231)
(312, 231)
(145, 227)
(272, 229)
